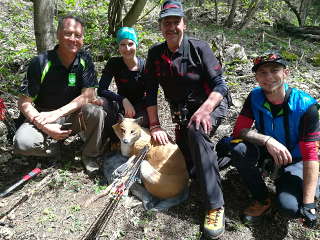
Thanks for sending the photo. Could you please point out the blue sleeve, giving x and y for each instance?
(104, 84)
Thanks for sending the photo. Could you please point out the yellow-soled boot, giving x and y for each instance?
(214, 223)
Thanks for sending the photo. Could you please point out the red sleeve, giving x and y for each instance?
(241, 123)
(309, 150)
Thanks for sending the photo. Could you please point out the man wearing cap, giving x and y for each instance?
(57, 89)
(192, 80)
(287, 130)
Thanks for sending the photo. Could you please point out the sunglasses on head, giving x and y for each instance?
(269, 57)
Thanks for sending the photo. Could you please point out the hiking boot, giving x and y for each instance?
(90, 164)
(256, 210)
(214, 223)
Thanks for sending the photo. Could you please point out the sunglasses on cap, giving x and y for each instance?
(268, 58)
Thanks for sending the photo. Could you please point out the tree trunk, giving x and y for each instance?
(254, 5)
(132, 16)
(114, 15)
(232, 13)
(43, 24)
(216, 10)
(294, 10)
(200, 3)
(310, 32)
(304, 11)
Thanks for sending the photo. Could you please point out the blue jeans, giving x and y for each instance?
(289, 185)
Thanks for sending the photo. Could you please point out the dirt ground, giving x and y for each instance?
(56, 209)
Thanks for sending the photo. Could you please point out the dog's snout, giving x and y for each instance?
(125, 141)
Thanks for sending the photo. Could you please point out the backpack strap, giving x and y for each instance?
(83, 63)
(45, 65)
(185, 55)
(45, 70)
(286, 121)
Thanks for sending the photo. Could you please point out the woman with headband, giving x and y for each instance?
(127, 71)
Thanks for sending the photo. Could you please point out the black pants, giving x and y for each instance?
(289, 185)
(202, 158)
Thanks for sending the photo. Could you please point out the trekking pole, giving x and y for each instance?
(25, 178)
(118, 189)
(22, 200)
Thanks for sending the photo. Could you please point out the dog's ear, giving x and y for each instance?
(115, 127)
(139, 120)
(120, 118)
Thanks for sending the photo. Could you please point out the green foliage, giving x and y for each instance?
(17, 45)
(94, 14)
(48, 215)
(70, 2)
(316, 60)
(75, 208)
(290, 56)
(245, 3)
(98, 188)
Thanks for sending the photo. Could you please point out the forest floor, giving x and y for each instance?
(57, 211)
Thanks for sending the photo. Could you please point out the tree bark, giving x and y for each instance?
(254, 5)
(294, 10)
(216, 10)
(43, 11)
(232, 14)
(304, 11)
(132, 16)
(200, 3)
(114, 15)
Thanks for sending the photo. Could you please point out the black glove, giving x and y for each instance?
(308, 214)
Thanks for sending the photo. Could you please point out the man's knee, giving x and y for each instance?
(239, 149)
(194, 134)
(24, 143)
(243, 153)
(92, 111)
(288, 204)
(89, 108)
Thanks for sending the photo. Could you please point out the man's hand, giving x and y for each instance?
(279, 152)
(159, 135)
(46, 117)
(308, 214)
(201, 117)
(54, 131)
(128, 108)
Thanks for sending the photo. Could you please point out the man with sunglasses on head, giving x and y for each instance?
(287, 134)
(57, 89)
(192, 80)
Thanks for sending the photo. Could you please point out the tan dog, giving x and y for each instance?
(164, 174)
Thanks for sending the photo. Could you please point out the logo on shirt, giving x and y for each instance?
(72, 80)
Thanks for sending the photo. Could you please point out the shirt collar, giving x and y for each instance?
(180, 49)
(59, 63)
